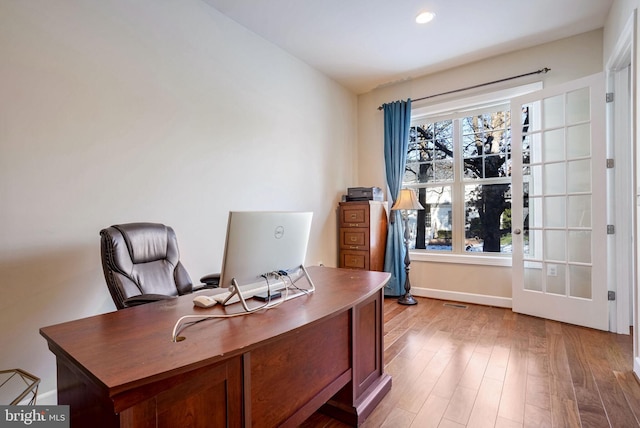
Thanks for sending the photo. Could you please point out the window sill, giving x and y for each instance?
(421, 256)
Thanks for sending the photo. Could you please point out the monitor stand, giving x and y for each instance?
(236, 290)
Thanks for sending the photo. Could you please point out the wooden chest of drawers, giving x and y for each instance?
(362, 235)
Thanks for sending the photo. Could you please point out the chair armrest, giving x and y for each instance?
(211, 281)
(145, 298)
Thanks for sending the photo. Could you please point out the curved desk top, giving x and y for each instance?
(133, 347)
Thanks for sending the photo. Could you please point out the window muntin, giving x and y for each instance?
(430, 153)
(435, 234)
(486, 145)
(460, 168)
(487, 210)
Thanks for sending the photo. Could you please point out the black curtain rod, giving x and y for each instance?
(542, 70)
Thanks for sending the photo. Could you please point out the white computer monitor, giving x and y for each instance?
(259, 242)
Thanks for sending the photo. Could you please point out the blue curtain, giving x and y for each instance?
(397, 119)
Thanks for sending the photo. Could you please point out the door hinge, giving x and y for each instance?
(611, 295)
(611, 229)
(609, 97)
(610, 163)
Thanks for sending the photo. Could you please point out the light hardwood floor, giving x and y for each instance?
(478, 366)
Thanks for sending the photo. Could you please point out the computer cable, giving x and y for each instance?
(179, 325)
(284, 273)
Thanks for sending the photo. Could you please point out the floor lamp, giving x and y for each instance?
(407, 201)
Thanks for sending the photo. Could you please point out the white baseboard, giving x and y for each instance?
(636, 367)
(457, 296)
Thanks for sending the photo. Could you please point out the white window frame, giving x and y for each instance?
(455, 109)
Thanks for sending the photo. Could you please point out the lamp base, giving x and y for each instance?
(407, 299)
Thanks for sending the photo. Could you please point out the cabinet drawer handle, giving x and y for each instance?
(353, 216)
(354, 239)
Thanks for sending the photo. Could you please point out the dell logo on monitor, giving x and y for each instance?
(279, 233)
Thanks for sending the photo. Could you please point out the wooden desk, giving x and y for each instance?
(271, 368)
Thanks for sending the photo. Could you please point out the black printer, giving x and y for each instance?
(364, 194)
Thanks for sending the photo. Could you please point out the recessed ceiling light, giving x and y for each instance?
(424, 17)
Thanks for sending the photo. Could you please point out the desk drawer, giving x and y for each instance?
(354, 239)
(354, 259)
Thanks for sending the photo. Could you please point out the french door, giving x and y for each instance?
(559, 203)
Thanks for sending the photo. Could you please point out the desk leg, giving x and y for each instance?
(369, 383)
(208, 397)
(88, 405)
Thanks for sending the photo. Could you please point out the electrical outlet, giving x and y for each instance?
(552, 270)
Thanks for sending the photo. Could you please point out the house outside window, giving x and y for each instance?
(459, 165)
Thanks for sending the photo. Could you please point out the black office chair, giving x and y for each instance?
(141, 264)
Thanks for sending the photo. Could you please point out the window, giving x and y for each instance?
(460, 167)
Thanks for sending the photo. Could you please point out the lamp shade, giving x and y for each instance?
(407, 201)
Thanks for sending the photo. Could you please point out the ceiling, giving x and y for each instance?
(364, 44)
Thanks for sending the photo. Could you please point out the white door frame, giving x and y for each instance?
(621, 181)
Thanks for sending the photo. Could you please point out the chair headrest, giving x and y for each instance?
(146, 242)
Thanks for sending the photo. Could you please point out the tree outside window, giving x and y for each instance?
(460, 168)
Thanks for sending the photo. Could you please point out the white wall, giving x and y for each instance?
(618, 16)
(568, 59)
(147, 110)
